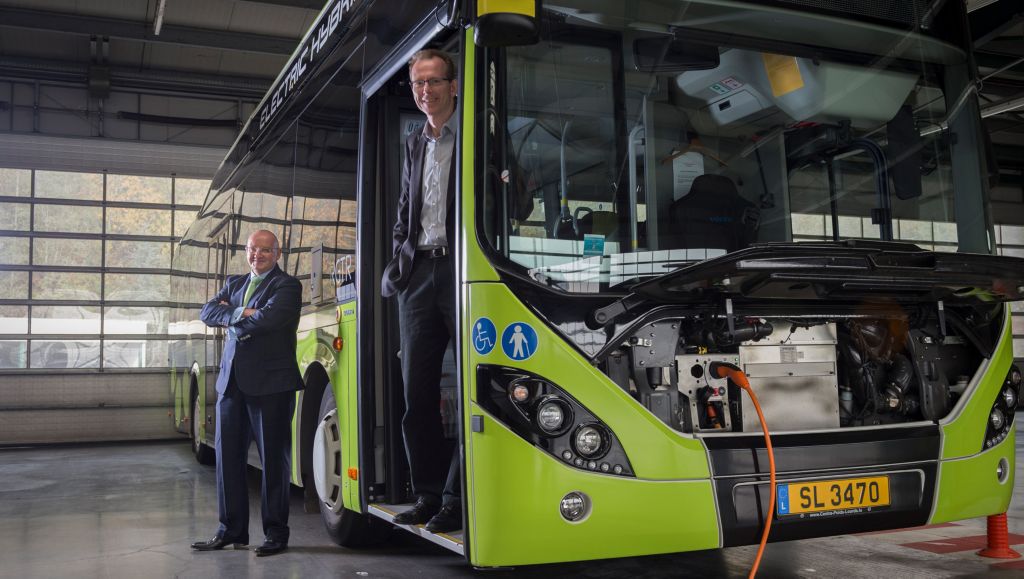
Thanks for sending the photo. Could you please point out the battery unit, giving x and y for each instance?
(793, 373)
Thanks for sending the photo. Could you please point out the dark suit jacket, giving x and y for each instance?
(263, 358)
(407, 229)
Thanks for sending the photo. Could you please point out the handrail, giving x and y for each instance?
(634, 237)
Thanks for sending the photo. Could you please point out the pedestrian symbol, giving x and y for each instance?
(519, 341)
(484, 334)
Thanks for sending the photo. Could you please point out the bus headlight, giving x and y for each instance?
(997, 419)
(548, 417)
(1010, 397)
(520, 392)
(1002, 470)
(1000, 418)
(589, 441)
(553, 415)
(574, 506)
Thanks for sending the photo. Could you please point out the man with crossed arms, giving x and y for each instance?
(255, 393)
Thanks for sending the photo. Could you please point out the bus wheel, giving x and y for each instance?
(345, 527)
(204, 454)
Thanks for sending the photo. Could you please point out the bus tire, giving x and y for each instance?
(345, 527)
(203, 453)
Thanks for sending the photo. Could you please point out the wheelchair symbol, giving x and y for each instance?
(484, 335)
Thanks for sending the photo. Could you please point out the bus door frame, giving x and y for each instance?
(381, 113)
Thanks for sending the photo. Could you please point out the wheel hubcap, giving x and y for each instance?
(327, 461)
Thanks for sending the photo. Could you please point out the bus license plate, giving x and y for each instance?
(852, 494)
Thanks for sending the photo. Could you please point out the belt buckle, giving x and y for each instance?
(437, 252)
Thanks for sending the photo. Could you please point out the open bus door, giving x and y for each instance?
(391, 116)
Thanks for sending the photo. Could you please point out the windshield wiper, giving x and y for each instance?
(605, 315)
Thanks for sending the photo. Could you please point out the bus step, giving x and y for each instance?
(451, 541)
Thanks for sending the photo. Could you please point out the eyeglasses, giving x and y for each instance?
(433, 82)
(260, 250)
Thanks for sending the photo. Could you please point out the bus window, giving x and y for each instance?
(662, 167)
(324, 210)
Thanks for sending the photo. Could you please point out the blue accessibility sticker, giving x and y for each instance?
(519, 341)
(484, 336)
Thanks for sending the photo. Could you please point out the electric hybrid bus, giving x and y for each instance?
(647, 191)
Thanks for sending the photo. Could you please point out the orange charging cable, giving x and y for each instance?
(724, 370)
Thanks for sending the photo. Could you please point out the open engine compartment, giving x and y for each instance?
(903, 365)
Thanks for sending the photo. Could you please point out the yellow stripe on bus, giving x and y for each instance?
(525, 7)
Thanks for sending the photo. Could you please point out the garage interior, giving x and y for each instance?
(114, 116)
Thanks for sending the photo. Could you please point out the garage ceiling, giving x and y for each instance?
(198, 41)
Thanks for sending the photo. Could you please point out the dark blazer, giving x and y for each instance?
(407, 229)
(263, 358)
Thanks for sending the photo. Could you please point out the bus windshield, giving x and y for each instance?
(653, 135)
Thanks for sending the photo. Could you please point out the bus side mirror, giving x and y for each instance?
(903, 154)
(506, 23)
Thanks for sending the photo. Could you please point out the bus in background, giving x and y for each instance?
(647, 193)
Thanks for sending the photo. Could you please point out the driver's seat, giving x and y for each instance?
(712, 215)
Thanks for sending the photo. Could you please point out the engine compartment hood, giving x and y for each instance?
(846, 271)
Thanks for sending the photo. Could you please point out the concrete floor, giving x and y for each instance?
(131, 510)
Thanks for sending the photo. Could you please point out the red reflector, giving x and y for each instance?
(338, 343)
(353, 473)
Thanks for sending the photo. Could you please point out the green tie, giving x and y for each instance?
(253, 282)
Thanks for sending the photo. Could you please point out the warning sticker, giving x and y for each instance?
(789, 355)
(719, 88)
(730, 82)
(783, 73)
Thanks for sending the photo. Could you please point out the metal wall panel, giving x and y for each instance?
(84, 425)
(84, 407)
(83, 390)
(92, 155)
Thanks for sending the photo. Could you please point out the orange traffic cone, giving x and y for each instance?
(998, 539)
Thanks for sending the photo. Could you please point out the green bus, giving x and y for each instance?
(645, 191)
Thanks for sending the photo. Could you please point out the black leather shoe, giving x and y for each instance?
(269, 548)
(216, 544)
(418, 514)
(448, 519)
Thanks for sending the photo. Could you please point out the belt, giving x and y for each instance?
(433, 252)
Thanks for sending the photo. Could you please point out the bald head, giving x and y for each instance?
(262, 251)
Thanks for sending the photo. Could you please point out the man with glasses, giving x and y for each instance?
(421, 275)
(255, 393)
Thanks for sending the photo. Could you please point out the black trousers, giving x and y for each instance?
(267, 420)
(426, 311)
